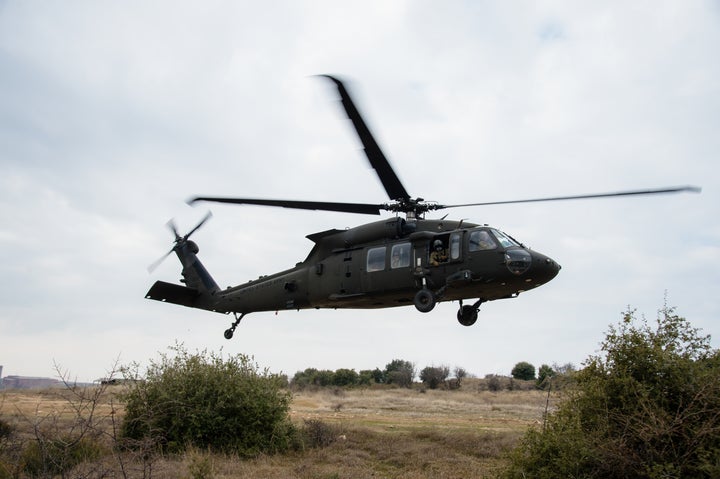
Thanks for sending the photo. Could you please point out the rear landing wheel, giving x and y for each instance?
(231, 330)
(467, 315)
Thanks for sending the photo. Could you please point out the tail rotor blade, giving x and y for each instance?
(202, 222)
(171, 225)
(159, 261)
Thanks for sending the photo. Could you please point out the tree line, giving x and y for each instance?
(402, 373)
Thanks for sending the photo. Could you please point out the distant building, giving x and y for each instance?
(26, 382)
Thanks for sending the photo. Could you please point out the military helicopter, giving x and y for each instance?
(396, 261)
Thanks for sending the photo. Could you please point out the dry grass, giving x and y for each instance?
(387, 433)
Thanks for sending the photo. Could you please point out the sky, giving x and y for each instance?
(112, 114)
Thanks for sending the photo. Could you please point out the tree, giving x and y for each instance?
(378, 375)
(345, 377)
(400, 372)
(366, 377)
(303, 379)
(434, 376)
(648, 406)
(545, 373)
(202, 400)
(460, 374)
(523, 371)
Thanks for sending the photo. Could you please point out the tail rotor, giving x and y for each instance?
(180, 241)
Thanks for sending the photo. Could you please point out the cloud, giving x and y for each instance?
(114, 115)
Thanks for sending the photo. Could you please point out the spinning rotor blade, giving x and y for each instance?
(202, 222)
(390, 181)
(171, 224)
(361, 208)
(159, 261)
(178, 240)
(677, 189)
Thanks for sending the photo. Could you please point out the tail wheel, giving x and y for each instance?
(424, 300)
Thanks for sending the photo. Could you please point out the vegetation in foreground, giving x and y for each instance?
(205, 401)
(349, 433)
(647, 407)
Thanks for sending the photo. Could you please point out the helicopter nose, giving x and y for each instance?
(544, 268)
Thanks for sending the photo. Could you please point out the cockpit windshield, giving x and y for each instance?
(504, 239)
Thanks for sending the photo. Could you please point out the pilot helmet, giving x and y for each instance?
(437, 244)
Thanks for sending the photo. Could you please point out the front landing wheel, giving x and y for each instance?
(424, 300)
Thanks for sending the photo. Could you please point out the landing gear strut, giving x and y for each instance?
(467, 315)
(231, 330)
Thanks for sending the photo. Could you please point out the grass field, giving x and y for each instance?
(379, 433)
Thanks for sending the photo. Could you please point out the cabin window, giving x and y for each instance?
(481, 240)
(400, 256)
(376, 259)
(455, 246)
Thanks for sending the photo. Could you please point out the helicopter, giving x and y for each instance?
(403, 260)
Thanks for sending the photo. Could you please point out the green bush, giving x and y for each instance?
(345, 377)
(400, 373)
(205, 401)
(647, 407)
(434, 376)
(42, 458)
(523, 371)
(5, 430)
(318, 434)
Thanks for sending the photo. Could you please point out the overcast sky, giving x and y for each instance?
(112, 114)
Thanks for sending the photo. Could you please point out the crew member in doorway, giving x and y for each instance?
(439, 253)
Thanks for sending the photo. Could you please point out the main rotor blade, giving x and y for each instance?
(677, 189)
(390, 181)
(360, 208)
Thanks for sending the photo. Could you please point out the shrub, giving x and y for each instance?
(434, 376)
(647, 407)
(5, 430)
(345, 377)
(318, 434)
(58, 455)
(545, 373)
(204, 401)
(523, 371)
(400, 372)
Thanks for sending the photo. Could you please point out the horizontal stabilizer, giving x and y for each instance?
(173, 293)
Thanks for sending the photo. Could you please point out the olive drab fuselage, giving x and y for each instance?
(377, 265)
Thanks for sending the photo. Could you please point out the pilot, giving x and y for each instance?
(439, 253)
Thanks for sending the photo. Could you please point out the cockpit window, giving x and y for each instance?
(481, 240)
(504, 239)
